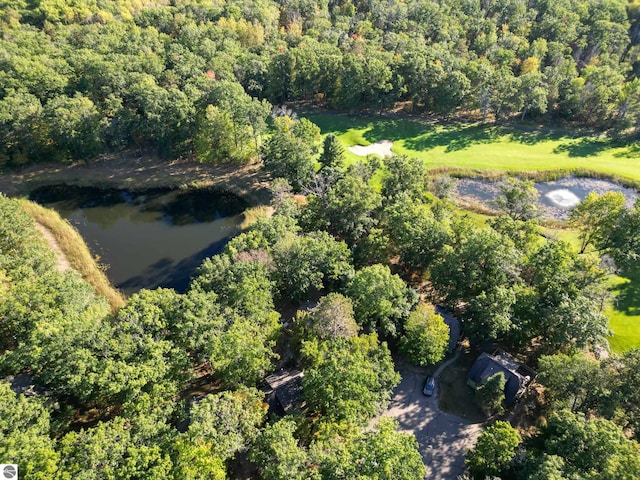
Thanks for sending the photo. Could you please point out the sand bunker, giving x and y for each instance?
(563, 198)
(381, 148)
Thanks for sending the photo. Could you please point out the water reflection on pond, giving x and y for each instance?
(557, 198)
(151, 238)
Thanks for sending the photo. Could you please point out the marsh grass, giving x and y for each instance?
(251, 215)
(75, 250)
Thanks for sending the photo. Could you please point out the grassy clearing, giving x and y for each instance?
(455, 395)
(472, 149)
(464, 147)
(76, 251)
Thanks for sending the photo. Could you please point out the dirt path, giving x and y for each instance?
(131, 171)
(62, 263)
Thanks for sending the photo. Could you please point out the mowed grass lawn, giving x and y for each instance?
(486, 147)
(624, 312)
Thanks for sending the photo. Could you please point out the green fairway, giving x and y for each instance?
(486, 147)
(624, 314)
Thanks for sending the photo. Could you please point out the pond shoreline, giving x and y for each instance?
(148, 238)
(131, 171)
(74, 249)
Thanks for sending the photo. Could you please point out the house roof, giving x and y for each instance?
(287, 385)
(23, 384)
(488, 365)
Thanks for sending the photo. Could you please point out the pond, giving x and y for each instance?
(557, 198)
(149, 239)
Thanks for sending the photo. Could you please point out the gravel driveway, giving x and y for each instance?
(443, 438)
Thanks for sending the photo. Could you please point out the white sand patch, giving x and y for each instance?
(381, 148)
(563, 198)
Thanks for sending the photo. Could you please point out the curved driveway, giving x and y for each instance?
(443, 438)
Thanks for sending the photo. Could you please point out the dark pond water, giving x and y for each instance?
(155, 238)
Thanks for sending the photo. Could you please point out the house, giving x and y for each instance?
(23, 384)
(516, 376)
(285, 390)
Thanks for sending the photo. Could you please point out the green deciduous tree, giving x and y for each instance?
(278, 454)
(518, 199)
(332, 318)
(75, 127)
(381, 453)
(594, 448)
(289, 152)
(111, 450)
(417, 230)
(563, 303)
(243, 353)
(596, 217)
(404, 176)
(243, 284)
(309, 262)
(480, 260)
(426, 336)
(571, 381)
(24, 435)
(381, 300)
(625, 239)
(348, 379)
(228, 422)
(350, 205)
(193, 459)
(494, 450)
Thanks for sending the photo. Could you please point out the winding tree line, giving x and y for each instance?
(194, 78)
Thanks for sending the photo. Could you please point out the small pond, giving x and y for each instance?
(557, 198)
(149, 239)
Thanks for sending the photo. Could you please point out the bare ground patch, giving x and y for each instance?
(134, 172)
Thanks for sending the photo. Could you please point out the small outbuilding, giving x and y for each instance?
(516, 376)
(285, 388)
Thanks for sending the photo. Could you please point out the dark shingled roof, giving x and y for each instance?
(488, 365)
(287, 385)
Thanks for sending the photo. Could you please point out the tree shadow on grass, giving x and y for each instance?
(586, 147)
(337, 124)
(454, 137)
(533, 137)
(628, 293)
(632, 151)
(394, 129)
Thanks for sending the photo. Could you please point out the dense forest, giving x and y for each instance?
(198, 78)
(340, 274)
